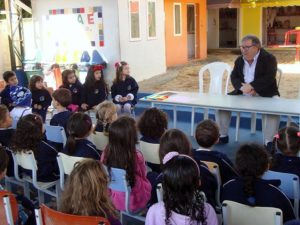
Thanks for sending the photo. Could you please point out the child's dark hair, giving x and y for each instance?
(3, 113)
(153, 123)
(287, 141)
(251, 162)
(32, 82)
(119, 69)
(121, 151)
(90, 80)
(65, 75)
(181, 187)
(3, 159)
(63, 96)
(79, 126)
(207, 133)
(7, 75)
(174, 140)
(28, 134)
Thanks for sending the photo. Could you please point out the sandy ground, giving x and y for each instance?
(185, 78)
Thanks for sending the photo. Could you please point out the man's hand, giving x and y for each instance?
(247, 88)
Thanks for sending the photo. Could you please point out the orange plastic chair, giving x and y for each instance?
(7, 215)
(58, 77)
(47, 216)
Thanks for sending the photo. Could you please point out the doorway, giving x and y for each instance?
(228, 28)
(191, 31)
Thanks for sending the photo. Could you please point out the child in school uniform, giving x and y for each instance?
(182, 202)
(10, 79)
(29, 136)
(207, 135)
(152, 125)
(124, 89)
(95, 89)
(79, 128)
(61, 99)
(286, 160)
(6, 131)
(41, 98)
(25, 206)
(175, 140)
(106, 114)
(85, 192)
(121, 153)
(21, 100)
(251, 162)
(71, 82)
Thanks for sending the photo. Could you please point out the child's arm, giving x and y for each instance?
(114, 94)
(83, 101)
(133, 92)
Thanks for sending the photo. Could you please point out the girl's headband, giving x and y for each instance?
(277, 135)
(171, 155)
(98, 67)
(118, 65)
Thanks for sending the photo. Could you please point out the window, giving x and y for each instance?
(134, 19)
(151, 18)
(177, 19)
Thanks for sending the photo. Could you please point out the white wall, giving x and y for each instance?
(145, 57)
(111, 48)
(213, 28)
(4, 46)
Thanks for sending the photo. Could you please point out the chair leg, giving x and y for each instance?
(205, 114)
(253, 123)
(41, 196)
(289, 121)
(237, 128)
(7, 185)
(26, 187)
(192, 121)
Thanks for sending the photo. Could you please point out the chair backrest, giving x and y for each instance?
(150, 152)
(56, 134)
(236, 214)
(215, 170)
(14, 123)
(100, 140)
(278, 76)
(47, 216)
(66, 165)
(289, 185)
(119, 183)
(8, 208)
(216, 71)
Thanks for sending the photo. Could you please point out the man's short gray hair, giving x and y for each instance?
(255, 40)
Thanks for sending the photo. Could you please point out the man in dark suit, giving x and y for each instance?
(254, 74)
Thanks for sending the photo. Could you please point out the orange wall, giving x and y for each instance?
(176, 46)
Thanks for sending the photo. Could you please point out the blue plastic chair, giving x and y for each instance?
(119, 183)
(56, 134)
(289, 185)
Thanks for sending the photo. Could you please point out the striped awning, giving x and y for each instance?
(223, 3)
(251, 3)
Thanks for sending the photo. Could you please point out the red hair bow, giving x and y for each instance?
(98, 67)
(117, 65)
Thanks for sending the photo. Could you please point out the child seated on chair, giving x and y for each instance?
(6, 131)
(121, 153)
(79, 128)
(25, 206)
(251, 162)
(152, 125)
(11, 80)
(106, 113)
(175, 140)
(286, 160)
(61, 99)
(85, 192)
(21, 101)
(29, 136)
(182, 202)
(124, 89)
(207, 135)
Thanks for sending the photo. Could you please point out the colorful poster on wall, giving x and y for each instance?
(69, 32)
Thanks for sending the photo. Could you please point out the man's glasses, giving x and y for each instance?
(246, 47)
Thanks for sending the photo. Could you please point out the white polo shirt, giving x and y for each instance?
(249, 70)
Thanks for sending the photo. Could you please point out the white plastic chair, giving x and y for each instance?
(150, 152)
(56, 134)
(100, 140)
(289, 185)
(119, 183)
(216, 70)
(27, 161)
(215, 170)
(236, 214)
(253, 115)
(66, 165)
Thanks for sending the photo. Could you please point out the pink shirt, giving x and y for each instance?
(157, 214)
(140, 193)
